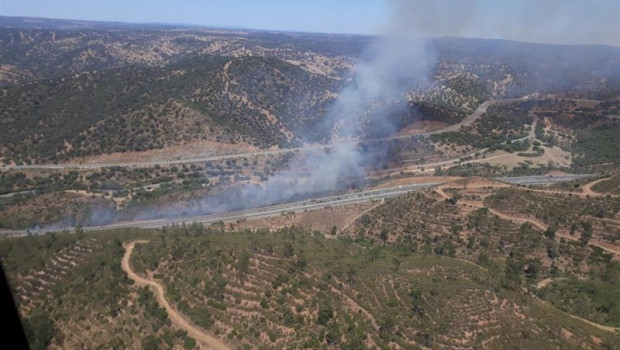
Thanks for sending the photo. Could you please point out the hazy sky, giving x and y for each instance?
(560, 21)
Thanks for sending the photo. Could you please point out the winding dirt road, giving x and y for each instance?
(206, 340)
(587, 188)
(546, 282)
(587, 191)
(610, 248)
(543, 283)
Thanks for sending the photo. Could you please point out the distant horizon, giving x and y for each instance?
(266, 15)
(181, 24)
(564, 22)
(206, 26)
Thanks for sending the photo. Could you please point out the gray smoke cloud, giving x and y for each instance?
(396, 61)
(544, 21)
(391, 66)
(393, 63)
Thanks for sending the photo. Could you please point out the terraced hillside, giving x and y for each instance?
(72, 293)
(34, 286)
(526, 236)
(290, 289)
(297, 291)
(592, 219)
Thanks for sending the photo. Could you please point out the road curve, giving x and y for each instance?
(541, 226)
(202, 337)
(587, 188)
(603, 245)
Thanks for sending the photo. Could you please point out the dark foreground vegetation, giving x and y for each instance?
(256, 289)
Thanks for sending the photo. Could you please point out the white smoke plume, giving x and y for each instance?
(391, 66)
(396, 61)
(541, 21)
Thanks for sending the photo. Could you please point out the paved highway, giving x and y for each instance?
(316, 203)
(274, 210)
(542, 179)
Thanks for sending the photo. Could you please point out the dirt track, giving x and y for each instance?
(603, 245)
(587, 188)
(204, 339)
(545, 282)
(359, 216)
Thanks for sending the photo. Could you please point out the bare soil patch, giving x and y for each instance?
(191, 149)
(321, 219)
(416, 180)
